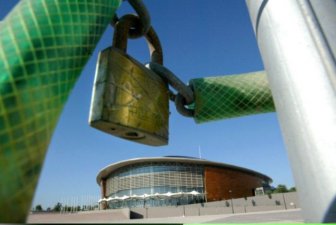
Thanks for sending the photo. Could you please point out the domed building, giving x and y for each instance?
(174, 180)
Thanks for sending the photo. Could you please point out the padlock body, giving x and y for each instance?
(129, 100)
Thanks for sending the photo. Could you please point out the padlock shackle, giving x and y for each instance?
(144, 17)
(120, 37)
(154, 45)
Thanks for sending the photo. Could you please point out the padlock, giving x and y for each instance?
(129, 100)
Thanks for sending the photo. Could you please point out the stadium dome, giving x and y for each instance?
(174, 180)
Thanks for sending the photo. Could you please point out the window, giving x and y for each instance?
(151, 178)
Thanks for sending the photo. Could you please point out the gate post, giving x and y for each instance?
(297, 41)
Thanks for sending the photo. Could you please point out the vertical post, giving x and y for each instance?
(103, 188)
(61, 206)
(230, 191)
(284, 200)
(297, 43)
(204, 185)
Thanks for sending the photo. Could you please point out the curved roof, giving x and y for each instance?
(181, 156)
(105, 172)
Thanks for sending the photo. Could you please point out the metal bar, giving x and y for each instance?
(297, 43)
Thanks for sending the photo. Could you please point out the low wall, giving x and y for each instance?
(242, 205)
(286, 200)
(192, 211)
(124, 212)
(158, 212)
(215, 210)
(81, 217)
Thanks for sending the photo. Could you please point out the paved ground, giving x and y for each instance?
(283, 216)
(289, 216)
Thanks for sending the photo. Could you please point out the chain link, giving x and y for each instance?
(154, 46)
(180, 104)
(173, 81)
(184, 96)
(143, 23)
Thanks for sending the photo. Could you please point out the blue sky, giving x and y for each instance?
(200, 38)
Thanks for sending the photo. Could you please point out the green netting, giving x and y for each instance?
(231, 96)
(44, 44)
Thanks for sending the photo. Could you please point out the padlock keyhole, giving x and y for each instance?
(133, 135)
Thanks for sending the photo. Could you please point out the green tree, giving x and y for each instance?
(67, 208)
(281, 188)
(38, 208)
(57, 207)
(292, 189)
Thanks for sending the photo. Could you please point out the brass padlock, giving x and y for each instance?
(129, 100)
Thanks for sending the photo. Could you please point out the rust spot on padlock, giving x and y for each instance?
(129, 100)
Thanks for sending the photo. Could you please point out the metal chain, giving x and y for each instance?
(154, 46)
(121, 33)
(184, 96)
(173, 81)
(181, 106)
(143, 23)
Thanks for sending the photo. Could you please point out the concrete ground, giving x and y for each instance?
(280, 216)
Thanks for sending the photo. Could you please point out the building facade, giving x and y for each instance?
(174, 180)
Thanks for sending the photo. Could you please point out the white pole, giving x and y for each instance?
(199, 152)
(72, 204)
(77, 203)
(67, 204)
(62, 200)
(86, 202)
(297, 41)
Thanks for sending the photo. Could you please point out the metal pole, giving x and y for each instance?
(230, 191)
(297, 41)
(284, 200)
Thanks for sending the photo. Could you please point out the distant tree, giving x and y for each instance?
(67, 208)
(281, 188)
(38, 208)
(292, 189)
(57, 207)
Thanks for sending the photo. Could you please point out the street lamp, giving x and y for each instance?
(230, 191)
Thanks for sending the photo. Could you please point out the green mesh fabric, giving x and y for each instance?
(231, 96)
(44, 44)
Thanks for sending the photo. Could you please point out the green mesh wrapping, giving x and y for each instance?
(44, 44)
(231, 96)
